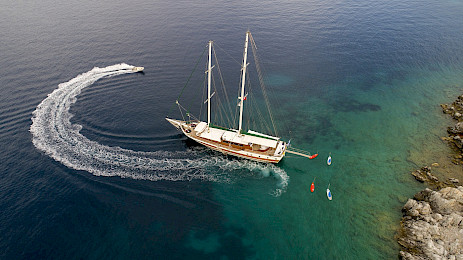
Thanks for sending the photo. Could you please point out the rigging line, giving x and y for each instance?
(254, 111)
(264, 124)
(203, 97)
(249, 105)
(214, 103)
(191, 74)
(180, 108)
(215, 44)
(261, 81)
(186, 110)
(265, 127)
(236, 107)
(222, 110)
(223, 86)
(217, 105)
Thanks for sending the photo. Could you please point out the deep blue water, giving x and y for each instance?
(359, 79)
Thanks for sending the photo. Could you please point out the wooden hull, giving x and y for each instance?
(242, 154)
(246, 152)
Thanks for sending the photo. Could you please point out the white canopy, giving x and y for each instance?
(248, 139)
(200, 127)
(213, 134)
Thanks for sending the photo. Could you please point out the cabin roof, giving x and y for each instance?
(212, 134)
(248, 139)
(218, 134)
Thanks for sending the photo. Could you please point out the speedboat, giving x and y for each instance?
(138, 69)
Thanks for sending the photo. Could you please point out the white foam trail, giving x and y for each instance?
(54, 134)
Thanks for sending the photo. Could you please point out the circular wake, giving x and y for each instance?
(53, 133)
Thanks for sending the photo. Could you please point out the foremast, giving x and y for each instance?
(209, 70)
(243, 81)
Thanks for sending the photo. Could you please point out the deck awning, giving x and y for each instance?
(235, 137)
(213, 134)
(200, 127)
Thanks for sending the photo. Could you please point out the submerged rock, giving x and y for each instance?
(455, 133)
(456, 130)
(425, 175)
(432, 222)
(432, 225)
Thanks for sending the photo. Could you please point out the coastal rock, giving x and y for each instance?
(457, 141)
(424, 175)
(457, 129)
(432, 226)
(455, 109)
(419, 176)
(445, 109)
(455, 133)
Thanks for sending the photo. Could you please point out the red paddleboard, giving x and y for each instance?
(313, 156)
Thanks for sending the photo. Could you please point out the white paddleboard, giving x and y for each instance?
(328, 193)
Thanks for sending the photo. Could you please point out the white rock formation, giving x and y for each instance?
(432, 226)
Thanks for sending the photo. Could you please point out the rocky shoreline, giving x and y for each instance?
(432, 226)
(455, 138)
(432, 222)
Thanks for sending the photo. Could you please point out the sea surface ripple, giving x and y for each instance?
(54, 134)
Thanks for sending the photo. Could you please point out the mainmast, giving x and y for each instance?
(209, 86)
(243, 80)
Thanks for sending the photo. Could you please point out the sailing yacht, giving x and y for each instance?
(244, 144)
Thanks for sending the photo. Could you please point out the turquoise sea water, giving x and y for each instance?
(361, 80)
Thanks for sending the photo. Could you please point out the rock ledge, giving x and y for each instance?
(432, 225)
(455, 133)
